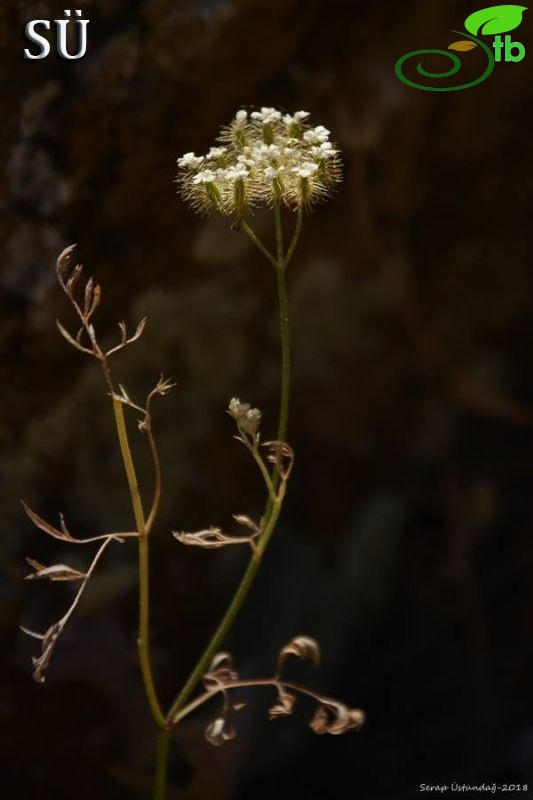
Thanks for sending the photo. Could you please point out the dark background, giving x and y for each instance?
(406, 542)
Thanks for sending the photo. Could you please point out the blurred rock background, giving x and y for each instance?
(406, 545)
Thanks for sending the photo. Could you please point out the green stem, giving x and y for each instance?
(227, 621)
(264, 472)
(295, 238)
(279, 232)
(161, 765)
(144, 572)
(284, 332)
(272, 510)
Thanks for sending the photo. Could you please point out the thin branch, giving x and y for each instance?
(88, 574)
(51, 636)
(295, 239)
(238, 684)
(63, 533)
(259, 244)
(252, 446)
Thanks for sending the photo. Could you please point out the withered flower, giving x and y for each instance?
(284, 706)
(336, 718)
(220, 731)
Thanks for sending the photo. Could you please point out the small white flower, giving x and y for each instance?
(241, 116)
(267, 115)
(247, 419)
(317, 135)
(251, 422)
(190, 161)
(236, 408)
(237, 173)
(216, 152)
(325, 150)
(273, 172)
(298, 117)
(206, 176)
(306, 170)
(246, 162)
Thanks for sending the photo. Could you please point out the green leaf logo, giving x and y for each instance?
(496, 19)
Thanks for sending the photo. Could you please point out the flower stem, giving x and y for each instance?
(259, 244)
(229, 618)
(273, 510)
(161, 765)
(284, 331)
(144, 573)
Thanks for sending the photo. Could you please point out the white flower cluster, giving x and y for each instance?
(248, 419)
(262, 157)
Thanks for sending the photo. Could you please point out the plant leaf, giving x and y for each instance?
(40, 523)
(496, 19)
(57, 572)
(48, 641)
(462, 46)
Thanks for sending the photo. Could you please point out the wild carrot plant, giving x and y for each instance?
(262, 158)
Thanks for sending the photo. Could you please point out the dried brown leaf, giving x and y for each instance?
(70, 339)
(336, 718)
(74, 278)
(242, 519)
(301, 647)
(88, 296)
(211, 538)
(139, 331)
(64, 260)
(40, 523)
(48, 641)
(56, 572)
(97, 295)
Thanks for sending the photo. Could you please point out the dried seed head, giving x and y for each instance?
(220, 672)
(282, 456)
(266, 158)
(213, 538)
(219, 732)
(302, 647)
(336, 718)
(284, 705)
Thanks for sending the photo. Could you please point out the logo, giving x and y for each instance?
(487, 22)
(63, 37)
